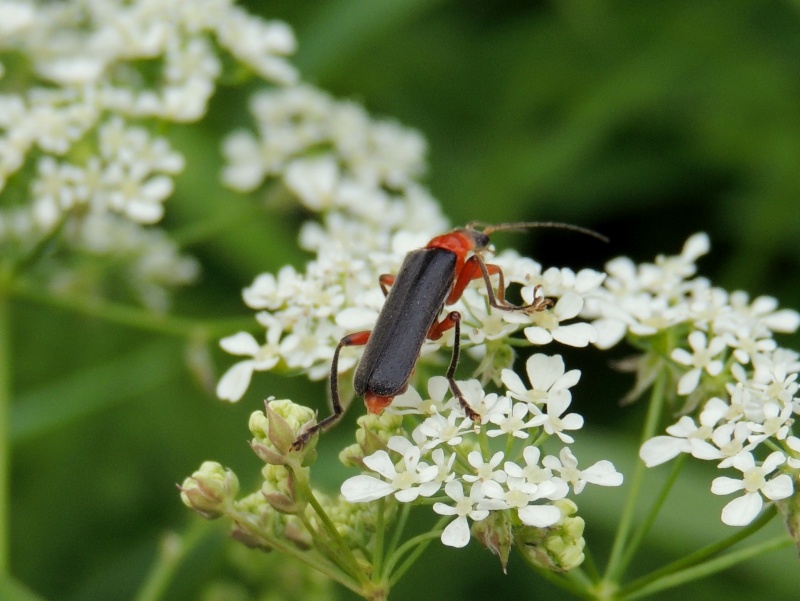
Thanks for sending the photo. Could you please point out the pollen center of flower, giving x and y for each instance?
(404, 480)
(449, 431)
(753, 480)
(464, 506)
(517, 498)
(702, 433)
(545, 319)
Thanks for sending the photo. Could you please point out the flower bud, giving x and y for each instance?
(372, 435)
(210, 489)
(278, 488)
(276, 428)
(560, 547)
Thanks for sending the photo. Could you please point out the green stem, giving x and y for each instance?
(615, 562)
(398, 529)
(377, 548)
(132, 316)
(323, 555)
(706, 569)
(312, 559)
(173, 551)
(5, 438)
(418, 543)
(38, 251)
(590, 565)
(693, 560)
(345, 556)
(641, 532)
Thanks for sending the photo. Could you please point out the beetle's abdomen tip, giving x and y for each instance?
(376, 403)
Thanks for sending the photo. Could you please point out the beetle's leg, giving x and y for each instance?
(355, 339)
(474, 268)
(386, 280)
(453, 320)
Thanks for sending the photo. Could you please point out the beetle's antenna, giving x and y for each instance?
(523, 225)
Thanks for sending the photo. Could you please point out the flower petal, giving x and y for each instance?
(576, 334)
(778, 488)
(234, 382)
(456, 534)
(661, 449)
(725, 486)
(241, 343)
(363, 488)
(380, 462)
(540, 516)
(743, 510)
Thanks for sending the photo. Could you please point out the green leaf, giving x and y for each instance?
(93, 389)
(11, 590)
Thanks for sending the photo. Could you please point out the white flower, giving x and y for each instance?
(702, 358)
(510, 417)
(439, 429)
(727, 441)
(234, 383)
(491, 326)
(411, 401)
(520, 494)
(533, 470)
(260, 44)
(15, 17)
(456, 533)
(548, 380)
(484, 470)
(551, 419)
(763, 312)
(444, 464)
(685, 436)
(412, 480)
(743, 510)
(549, 325)
(245, 169)
(793, 442)
(314, 181)
(602, 473)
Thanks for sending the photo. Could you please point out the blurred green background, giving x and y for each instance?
(646, 121)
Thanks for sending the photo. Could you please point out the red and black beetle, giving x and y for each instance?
(429, 279)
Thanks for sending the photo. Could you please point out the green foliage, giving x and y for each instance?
(646, 121)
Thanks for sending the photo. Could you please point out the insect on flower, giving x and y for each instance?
(429, 279)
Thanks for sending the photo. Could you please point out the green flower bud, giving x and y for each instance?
(372, 435)
(560, 547)
(210, 490)
(278, 488)
(275, 429)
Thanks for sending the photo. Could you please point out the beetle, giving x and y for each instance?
(429, 279)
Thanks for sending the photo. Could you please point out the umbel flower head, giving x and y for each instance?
(736, 388)
(83, 176)
(361, 175)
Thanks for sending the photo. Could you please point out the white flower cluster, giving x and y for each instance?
(445, 451)
(81, 71)
(740, 388)
(329, 153)
(306, 314)
(361, 175)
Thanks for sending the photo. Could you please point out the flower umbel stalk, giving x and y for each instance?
(5, 408)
